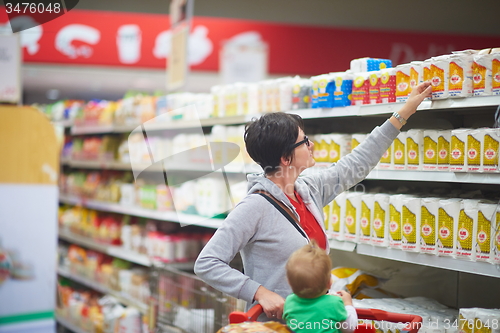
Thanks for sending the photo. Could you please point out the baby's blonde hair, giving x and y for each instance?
(309, 271)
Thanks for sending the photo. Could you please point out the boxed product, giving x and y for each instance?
(449, 212)
(495, 74)
(388, 85)
(399, 151)
(356, 139)
(342, 94)
(339, 146)
(440, 67)
(430, 150)
(374, 87)
(428, 224)
(410, 224)
(460, 74)
(301, 91)
(482, 74)
(366, 218)
(467, 230)
(475, 144)
(337, 217)
(320, 96)
(380, 225)
(490, 151)
(444, 142)
(352, 216)
(361, 89)
(322, 147)
(416, 74)
(458, 144)
(387, 159)
(414, 149)
(369, 64)
(403, 88)
(395, 209)
(485, 231)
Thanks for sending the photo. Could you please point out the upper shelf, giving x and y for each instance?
(185, 219)
(349, 111)
(465, 266)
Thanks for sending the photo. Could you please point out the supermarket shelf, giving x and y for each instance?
(125, 299)
(185, 219)
(112, 165)
(114, 251)
(64, 123)
(354, 110)
(436, 176)
(478, 268)
(69, 325)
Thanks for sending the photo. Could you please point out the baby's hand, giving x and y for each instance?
(346, 297)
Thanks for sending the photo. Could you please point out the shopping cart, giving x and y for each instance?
(414, 322)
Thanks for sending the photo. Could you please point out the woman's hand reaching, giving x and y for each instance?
(417, 95)
(271, 302)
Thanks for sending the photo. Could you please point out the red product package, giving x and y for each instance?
(374, 88)
(360, 89)
(388, 85)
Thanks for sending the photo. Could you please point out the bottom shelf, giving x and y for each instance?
(69, 325)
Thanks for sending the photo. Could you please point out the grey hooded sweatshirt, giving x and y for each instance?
(265, 238)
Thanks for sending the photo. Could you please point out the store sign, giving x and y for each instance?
(82, 37)
(10, 67)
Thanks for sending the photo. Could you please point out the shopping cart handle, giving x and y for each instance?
(237, 317)
(414, 321)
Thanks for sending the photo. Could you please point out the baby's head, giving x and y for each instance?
(309, 271)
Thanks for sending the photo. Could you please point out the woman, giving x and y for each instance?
(262, 234)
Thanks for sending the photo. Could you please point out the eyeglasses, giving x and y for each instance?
(306, 141)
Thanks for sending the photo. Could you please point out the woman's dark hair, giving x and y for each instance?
(271, 137)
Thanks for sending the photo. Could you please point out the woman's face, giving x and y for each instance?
(303, 154)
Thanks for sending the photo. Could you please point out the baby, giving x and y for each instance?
(309, 308)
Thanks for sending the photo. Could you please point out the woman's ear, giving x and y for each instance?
(285, 161)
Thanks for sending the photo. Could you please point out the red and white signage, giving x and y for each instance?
(86, 37)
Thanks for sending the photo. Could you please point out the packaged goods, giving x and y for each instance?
(467, 230)
(410, 224)
(395, 209)
(380, 225)
(352, 216)
(449, 211)
(342, 95)
(444, 142)
(485, 231)
(147, 196)
(387, 159)
(490, 150)
(416, 74)
(369, 64)
(403, 88)
(460, 74)
(428, 225)
(440, 67)
(285, 93)
(339, 146)
(430, 150)
(426, 70)
(482, 74)
(374, 87)
(229, 100)
(361, 89)
(356, 139)
(415, 149)
(327, 210)
(475, 145)
(252, 100)
(458, 144)
(127, 195)
(321, 147)
(495, 256)
(320, 96)
(163, 198)
(337, 217)
(366, 218)
(399, 151)
(301, 90)
(388, 85)
(495, 73)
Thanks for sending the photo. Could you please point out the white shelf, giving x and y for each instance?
(114, 251)
(185, 219)
(354, 110)
(64, 123)
(436, 176)
(69, 325)
(122, 298)
(479, 268)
